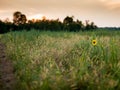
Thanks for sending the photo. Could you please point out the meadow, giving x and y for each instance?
(65, 60)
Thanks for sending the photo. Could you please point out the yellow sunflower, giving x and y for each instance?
(94, 42)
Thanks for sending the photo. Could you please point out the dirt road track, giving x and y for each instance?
(7, 77)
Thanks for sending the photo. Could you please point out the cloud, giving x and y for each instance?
(113, 6)
(95, 10)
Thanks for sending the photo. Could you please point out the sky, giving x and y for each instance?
(104, 13)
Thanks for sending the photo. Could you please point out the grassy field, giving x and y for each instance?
(65, 60)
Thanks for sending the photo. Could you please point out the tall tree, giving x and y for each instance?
(19, 18)
(68, 20)
(90, 26)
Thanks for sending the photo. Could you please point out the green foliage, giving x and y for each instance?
(65, 60)
(20, 22)
(19, 18)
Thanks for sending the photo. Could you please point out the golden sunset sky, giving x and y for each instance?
(102, 12)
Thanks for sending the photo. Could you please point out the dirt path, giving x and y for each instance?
(7, 77)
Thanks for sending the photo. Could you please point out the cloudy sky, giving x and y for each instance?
(102, 12)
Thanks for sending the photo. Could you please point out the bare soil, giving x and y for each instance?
(7, 76)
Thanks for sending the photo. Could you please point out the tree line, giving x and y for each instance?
(20, 22)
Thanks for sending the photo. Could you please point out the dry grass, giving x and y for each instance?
(65, 60)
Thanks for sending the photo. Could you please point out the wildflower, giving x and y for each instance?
(94, 42)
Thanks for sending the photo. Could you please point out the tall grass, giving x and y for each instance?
(65, 60)
(0, 35)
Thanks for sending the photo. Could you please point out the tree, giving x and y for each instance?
(68, 23)
(68, 20)
(19, 18)
(90, 26)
